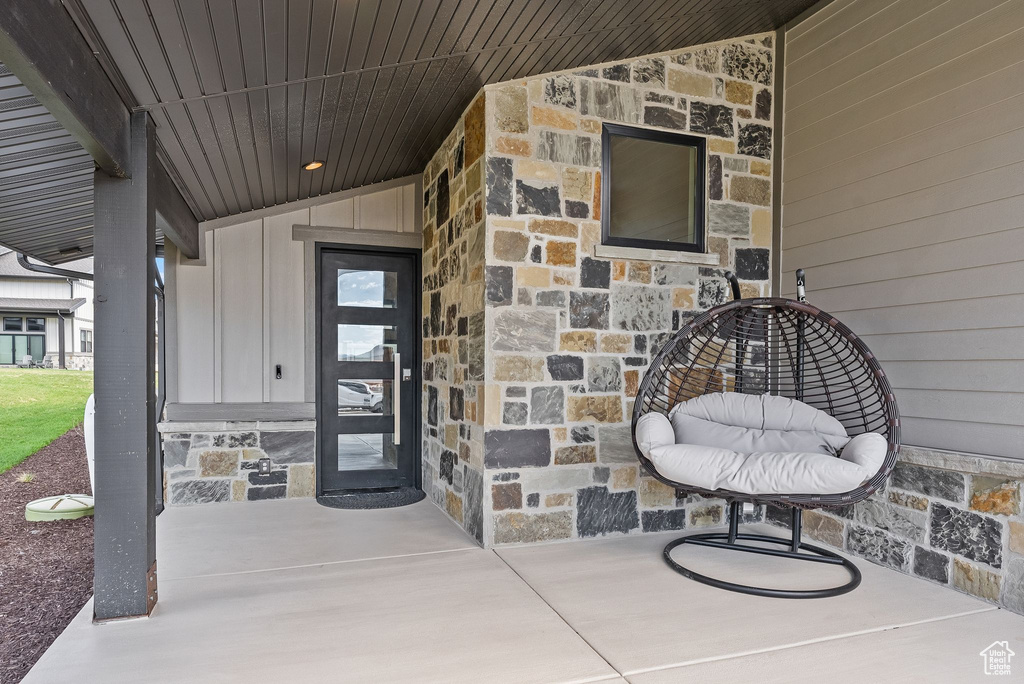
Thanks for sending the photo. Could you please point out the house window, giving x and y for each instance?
(14, 348)
(35, 324)
(12, 324)
(652, 188)
(85, 340)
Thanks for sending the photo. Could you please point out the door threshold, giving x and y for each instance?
(372, 498)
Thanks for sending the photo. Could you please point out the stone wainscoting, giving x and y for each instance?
(79, 362)
(214, 462)
(72, 361)
(948, 518)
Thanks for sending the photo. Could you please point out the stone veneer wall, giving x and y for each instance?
(81, 362)
(568, 335)
(216, 462)
(453, 322)
(958, 525)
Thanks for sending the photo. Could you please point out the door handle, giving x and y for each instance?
(396, 395)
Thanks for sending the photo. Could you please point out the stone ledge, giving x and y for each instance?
(963, 463)
(665, 255)
(236, 426)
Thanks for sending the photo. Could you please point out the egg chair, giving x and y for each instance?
(767, 401)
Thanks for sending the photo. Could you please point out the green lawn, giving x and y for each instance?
(36, 407)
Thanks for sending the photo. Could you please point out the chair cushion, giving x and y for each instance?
(765, 445)
(867, 450)
(690, 430)
(761, 472)
(756, 422)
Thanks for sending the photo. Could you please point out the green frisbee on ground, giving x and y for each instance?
(63, 507)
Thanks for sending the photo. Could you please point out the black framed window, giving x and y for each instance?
(12, 324)
(652, 189)
(35, 324)
(85, 341)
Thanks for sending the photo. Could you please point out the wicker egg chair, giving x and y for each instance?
(785, 348)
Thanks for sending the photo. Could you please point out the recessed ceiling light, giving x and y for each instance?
(313, 165)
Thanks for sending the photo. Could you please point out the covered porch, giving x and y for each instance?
(371, 248)
(293, 591)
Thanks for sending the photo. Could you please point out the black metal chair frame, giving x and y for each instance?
(805, 354)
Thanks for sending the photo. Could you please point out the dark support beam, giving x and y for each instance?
(125, 520)
(41, 44)
(173, 217)
(63, 325)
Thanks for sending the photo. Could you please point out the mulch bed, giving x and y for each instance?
(45, 567)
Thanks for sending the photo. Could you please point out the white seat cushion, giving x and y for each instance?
(759, 472)
(867, 450)
(690, 430)
(756, 422)
(771, 445)
(760, 411)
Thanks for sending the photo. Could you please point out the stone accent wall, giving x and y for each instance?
(82, 362)
(959, 529)
(218, 462)
(569, 335)
(72, 361)
(453, 322)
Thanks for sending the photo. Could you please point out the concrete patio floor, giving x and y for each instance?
(289, 591)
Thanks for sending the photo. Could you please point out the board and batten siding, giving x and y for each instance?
(34, 288)
(903, 199)
(242, 310)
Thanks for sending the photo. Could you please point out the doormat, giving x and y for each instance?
(382, 498)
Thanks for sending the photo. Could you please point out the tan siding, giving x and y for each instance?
(827, 24)
(961, 314)
(955, 255)
(822, 121)
(979, 376)
(953, 435)
(903, 198)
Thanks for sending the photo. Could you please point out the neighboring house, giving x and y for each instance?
(35, 307)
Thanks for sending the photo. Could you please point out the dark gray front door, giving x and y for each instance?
(368, 349)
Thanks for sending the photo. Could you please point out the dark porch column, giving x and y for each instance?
(63, 326)
(125, 520)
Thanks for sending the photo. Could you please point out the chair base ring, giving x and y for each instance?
(722, 540)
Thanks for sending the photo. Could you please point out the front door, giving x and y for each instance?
(368, 389)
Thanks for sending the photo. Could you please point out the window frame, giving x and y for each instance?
(21, 324)
(85, 339)
(701, 191)
(28, 324)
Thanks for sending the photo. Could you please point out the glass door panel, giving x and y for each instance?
(366, 342)
(35, 347)
(371, 289)
(6, 349)
(366, 397)
(369, 451)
